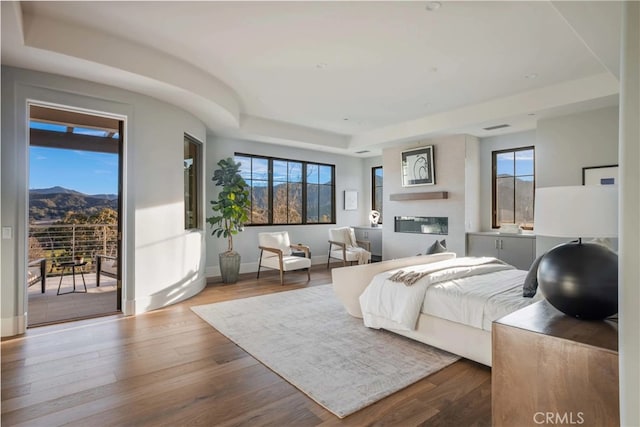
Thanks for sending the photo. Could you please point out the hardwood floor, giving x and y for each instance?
(170, 368)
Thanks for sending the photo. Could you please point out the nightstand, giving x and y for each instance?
(552, 369)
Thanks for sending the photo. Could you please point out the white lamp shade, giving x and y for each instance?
(577, 211)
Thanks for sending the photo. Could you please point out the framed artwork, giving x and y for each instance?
(600, 175)
(418, 167)
(350, 200)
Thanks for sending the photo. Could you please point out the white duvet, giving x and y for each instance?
(463, 290)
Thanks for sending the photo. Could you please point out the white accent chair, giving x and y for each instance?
(344, 246)
(276, 253)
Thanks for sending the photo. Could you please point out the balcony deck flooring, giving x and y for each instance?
(50, 308)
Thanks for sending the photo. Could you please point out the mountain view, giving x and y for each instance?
(515, 193)
(52, 204)
(287, 204)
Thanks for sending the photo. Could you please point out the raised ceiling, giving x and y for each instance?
(347, 76)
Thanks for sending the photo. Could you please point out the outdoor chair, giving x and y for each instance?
(37, 272)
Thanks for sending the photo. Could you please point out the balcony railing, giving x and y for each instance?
(61, 243)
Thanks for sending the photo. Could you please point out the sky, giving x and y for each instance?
(84, 171)
(523, 164)
(257, 168)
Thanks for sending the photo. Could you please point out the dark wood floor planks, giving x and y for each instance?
(169, 367)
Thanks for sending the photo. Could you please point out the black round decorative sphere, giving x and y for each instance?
(581, 280)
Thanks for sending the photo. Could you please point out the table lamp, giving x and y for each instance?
(579, 278)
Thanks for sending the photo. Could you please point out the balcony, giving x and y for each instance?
(54, 248)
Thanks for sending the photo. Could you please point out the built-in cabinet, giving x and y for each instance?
(374, 236)
(518, 250)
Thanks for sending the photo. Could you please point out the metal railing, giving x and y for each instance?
(60, 243)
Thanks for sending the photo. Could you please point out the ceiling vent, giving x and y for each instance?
(362, 151)
(497, 127)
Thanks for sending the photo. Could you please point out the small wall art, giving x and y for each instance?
(350, 200)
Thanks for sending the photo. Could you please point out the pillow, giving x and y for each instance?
(437, 247)
(530, 286)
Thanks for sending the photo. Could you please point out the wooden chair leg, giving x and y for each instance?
(259, 263)
(329, 255)
(281, 277)
(308, 273)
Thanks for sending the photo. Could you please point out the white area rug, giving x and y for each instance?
(308, 338)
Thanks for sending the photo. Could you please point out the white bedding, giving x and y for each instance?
(468, 291)
(479, 300)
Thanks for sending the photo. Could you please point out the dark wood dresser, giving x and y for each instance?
(552, 369)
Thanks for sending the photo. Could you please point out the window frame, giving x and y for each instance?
(494, 177)
(197, 222)
(373, 190)
(304, 183)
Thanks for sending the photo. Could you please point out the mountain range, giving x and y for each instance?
(50, 204)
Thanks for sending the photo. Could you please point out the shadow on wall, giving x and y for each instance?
(168, 259)
(186, 288)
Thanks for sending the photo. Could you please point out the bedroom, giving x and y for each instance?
(151, 207)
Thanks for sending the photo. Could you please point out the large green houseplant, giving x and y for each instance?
(230, 214)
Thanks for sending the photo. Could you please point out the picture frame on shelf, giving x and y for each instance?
(418, 167)
(600, 175)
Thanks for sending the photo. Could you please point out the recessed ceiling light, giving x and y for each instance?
(346, 119)
(433, 5)
(532, 114)
(321, 65)
(531, 76)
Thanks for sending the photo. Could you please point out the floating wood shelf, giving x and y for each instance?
(429, 195)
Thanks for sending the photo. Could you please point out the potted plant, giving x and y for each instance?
(231, 210)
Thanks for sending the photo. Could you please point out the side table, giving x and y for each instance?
(553, 369)
(72, 265)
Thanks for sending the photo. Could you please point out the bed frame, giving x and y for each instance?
(466, 341)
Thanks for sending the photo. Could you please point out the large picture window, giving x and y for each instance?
(376, 190)
(513, 187)
(192, 159)
(288, 191)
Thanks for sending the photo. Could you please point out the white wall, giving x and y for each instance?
(449, 158)
(566, 144)
(162, 262)
(349, 176)
(472, 183)
(629, 223)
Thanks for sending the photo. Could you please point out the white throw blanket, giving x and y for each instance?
(393, 305)
(362, 255)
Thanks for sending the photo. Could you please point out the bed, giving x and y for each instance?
(454, 311)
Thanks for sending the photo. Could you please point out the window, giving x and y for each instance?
(513, 187)
(288, 191)
(192, 156)
(376, 190)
